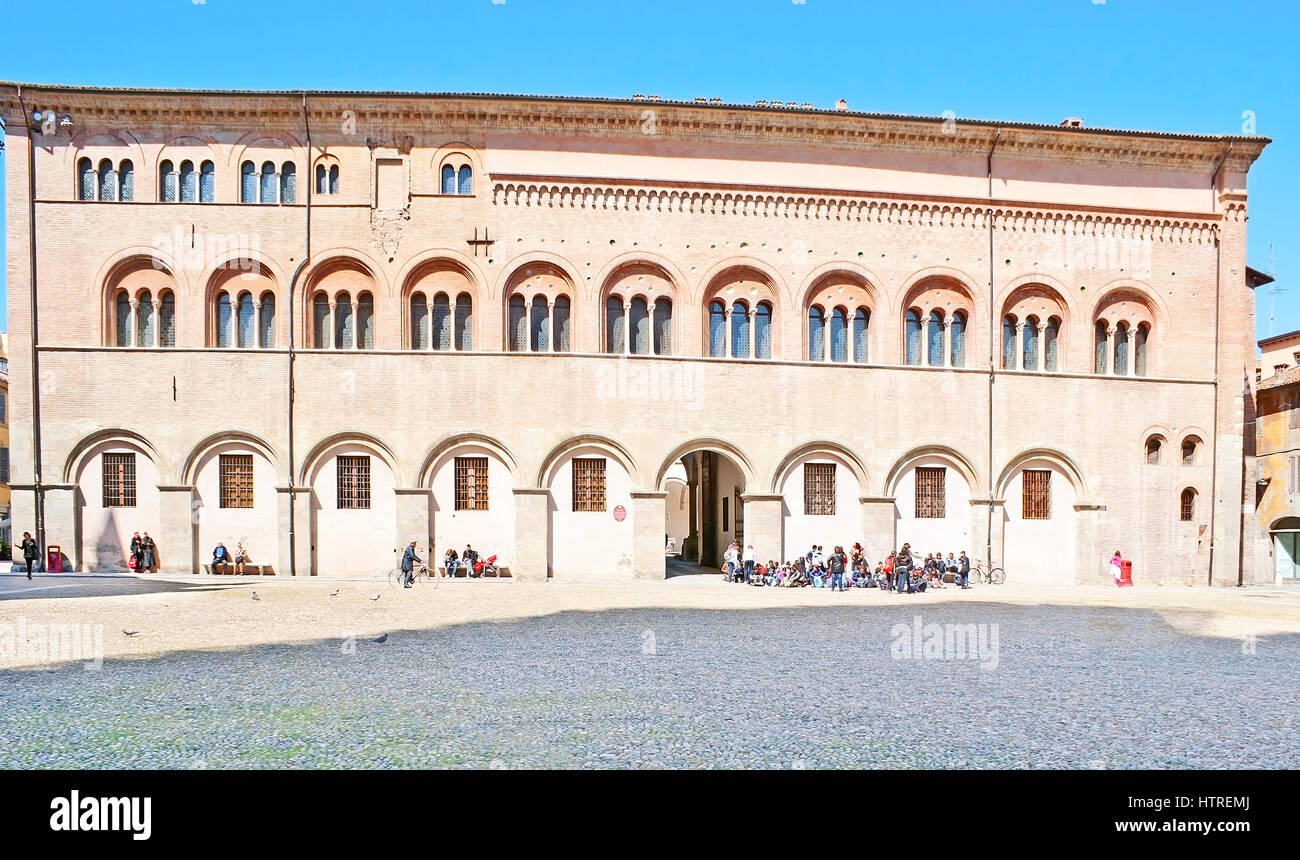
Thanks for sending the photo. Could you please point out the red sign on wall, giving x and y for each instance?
(620, 513)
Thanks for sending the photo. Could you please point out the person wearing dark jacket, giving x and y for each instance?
(963, 568)
(409, 559)
(220, 557)
(147, 553)
(836, 564)
(29, 551)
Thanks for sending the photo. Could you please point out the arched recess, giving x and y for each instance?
(841, 287)
(820, 484)
(586, 440)
(754, 291)
(471, 477)
(932, 487)
(1131, 318)
(935, 298)
(441, 306)
(952, 456)
(96, 145)
(222, 322)
(235, 498)
(341, 281)
(821, 446)
(640, 279)
(141, 279)
(353, 479)
(116, 473)
(241, 437)
(454, 154)
(538, 284)
(589, 478)
(1043, 315)
(1063, 462)
(706, 443)
(1039, 516)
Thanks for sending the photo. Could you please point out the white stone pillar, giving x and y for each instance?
(1041, 357)
(550, 321)
(428, 320)
(156, 338)
(356, 329)
(330, 336)
(945, 344)
(627, 328)
(726, 331)
(257, 323)
(1110, 349)
(827, 352)
(1130, 353)
(133, 335)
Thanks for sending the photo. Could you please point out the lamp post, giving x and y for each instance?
(46, 124)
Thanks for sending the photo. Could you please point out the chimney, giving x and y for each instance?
(638, 97)
(792, 104)
(841, 105)
(654, 98)
(699, 100)
(1072, 122)
(807, 105)
(761, 103)
(715, 101)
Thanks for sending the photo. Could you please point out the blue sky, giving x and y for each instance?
(1170, 66)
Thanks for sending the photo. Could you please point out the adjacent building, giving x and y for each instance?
(568, 330)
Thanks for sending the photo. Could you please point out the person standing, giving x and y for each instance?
(1116, 565)
(147, 552)
(729, 559)
(836, 563)
(409, 558)
(137, 552)
(29, 551)
(963, 569)
(749, 562)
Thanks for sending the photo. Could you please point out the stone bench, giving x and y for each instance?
(249, 569)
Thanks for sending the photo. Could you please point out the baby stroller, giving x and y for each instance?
(486, 567)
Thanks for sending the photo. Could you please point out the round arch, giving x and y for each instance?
(780, 290)
(86, 139)
(448, 444)
(538, 258)
(72, 463)
(813, 448)
(196, 454)
(1051, 285)
(1139, 291)
(211, 274)
(706, 443)
(952, 456)
(1062, 461)
(270, 141)
(348, 437)
(415, 267)
(609, 446)
(855, 271)
(128, 257)
(347, 255)
(670, 271)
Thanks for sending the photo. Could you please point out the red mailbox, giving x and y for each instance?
(1125, 573)
(54, 558)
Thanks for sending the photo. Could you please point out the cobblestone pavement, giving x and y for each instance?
(808, 687)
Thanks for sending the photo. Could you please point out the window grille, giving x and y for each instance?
(931, 501)
(236, 476)
(1036, 494)
(119, 480)
(588, 484)
(353, 483)
(819, 489)
(471, 483)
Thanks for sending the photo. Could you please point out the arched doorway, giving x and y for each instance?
(1285, 535)
(706, 482)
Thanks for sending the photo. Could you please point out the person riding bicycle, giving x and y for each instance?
(963, 569)
(409, 559)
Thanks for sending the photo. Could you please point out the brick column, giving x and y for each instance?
(532, 534)
(764, 524)
(648, 512)
(176, 528)
(877, 526)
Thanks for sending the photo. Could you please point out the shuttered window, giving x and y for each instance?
(119, 480)
(1036, 494)
(931, 500)
(236, 476)
(819, 489)
(471, 483)
(353, 483)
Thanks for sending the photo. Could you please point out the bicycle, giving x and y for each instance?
(419, 574)
(995, 576)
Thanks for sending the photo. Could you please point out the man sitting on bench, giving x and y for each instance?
(220, 556)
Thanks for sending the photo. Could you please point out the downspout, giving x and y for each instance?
(988, 528)
(38, 488)
(1214, 451)
(293, 282)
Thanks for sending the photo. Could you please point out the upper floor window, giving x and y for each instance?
(144, 320)
(1122, 330)
(443, 323)
(457, 181)
(267, 184)
(1187, 505)
(244, 321)
(747, 335)
(105, 182)
(539, 325)
(635, 328)
(347, 322)
(1153, 450)
(327, 179)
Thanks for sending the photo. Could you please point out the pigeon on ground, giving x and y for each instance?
(335, 592)
(129, 632)
(374, 597)
(255, 597)
(382, 639)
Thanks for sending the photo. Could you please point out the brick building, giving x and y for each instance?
(326, 323)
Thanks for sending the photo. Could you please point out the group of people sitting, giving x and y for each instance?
(899, 571)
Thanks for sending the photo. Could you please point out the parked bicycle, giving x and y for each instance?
(996, 575)
(419, 574)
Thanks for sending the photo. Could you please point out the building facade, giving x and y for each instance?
(1275, 473)
(325, 324)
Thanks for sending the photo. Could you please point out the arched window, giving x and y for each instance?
(957, 336)
(861, 317)
(1189, 451)
(126, 181)
(107, 181)
(1099, 347)
(223, 321)
(465, 180)
(1121, 349)
(334, 179)
(1187, 505)
(1153, 451)
(540, 336)
(448, 179)
(144, 321)
(614, 342)
(123, 318)
(207, 183)
(320, 180)
(247, 328)
(639, 323)
(288, 183)
(441, 321)
(85, 180)
(270, 184)
(934, 335)
(169, 183)
(1008, 343)
(561, 324)
(912, 337)
(343, 322)
(320, 313)
(1140, 349)
(365, 321)
(1051, 338)
(1030, 339)
(266, 321)
(189, 183)
(717, 329)
(167, 319)
(464, 319)
(739, 330)
(839, 335)
(763, 331)
(663, 326)
(518, 323)
(816, 329)
(419, 322)
(247, 183)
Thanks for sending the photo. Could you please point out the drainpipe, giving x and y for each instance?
(38, 488)
(293, 282)
(988, 530)
(1214, 451)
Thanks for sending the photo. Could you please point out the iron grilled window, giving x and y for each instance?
(236, 474)
(354, 483)
(1187, 506)
(819, 489)
(931, 500)
(588, 484)
(471, 483)
(119, 480)
(1036, 494)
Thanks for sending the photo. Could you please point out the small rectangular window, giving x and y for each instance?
(4, 465)
(353, 483)
(4, 403)
(1036, 494)
(119, 480)
(726, 514)
(588, 484)
(819, 489)
(235, 472)
(390, 179)
(931, 496)
(1293, 475)
(471, 483)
